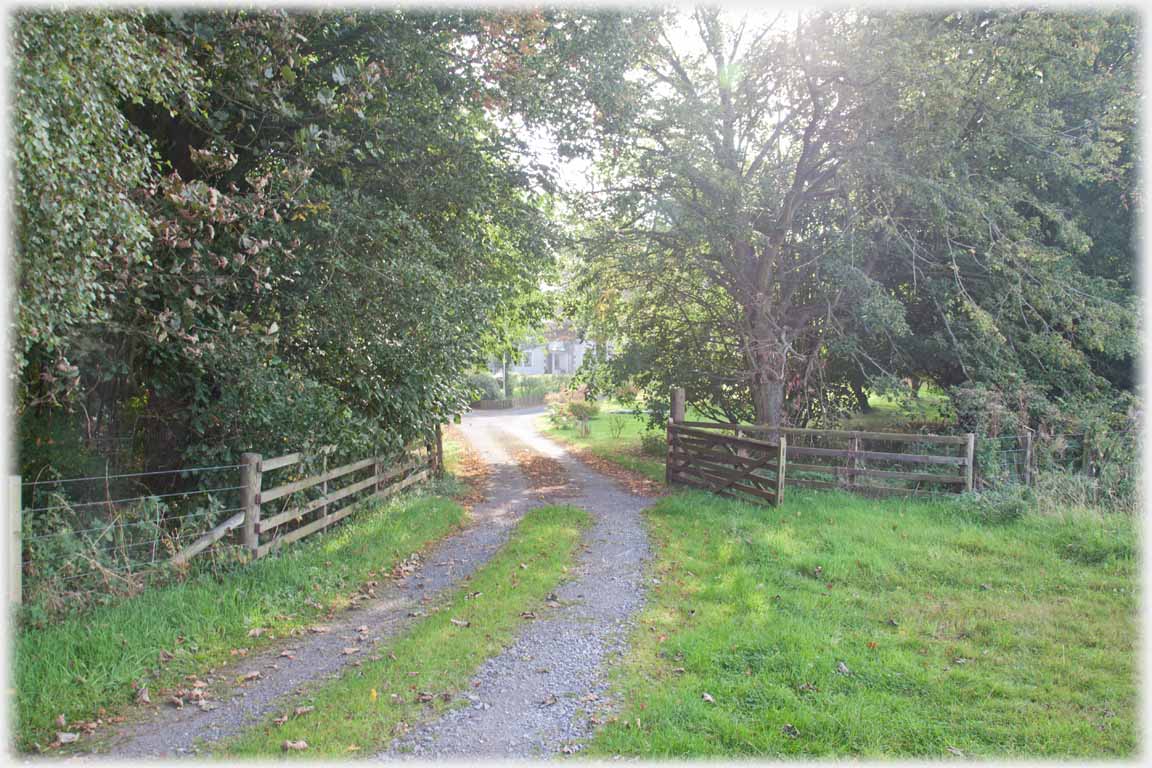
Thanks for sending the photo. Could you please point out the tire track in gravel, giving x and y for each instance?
(546, 693)
(170, 732)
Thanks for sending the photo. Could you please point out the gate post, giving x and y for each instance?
(250, 474)
(781, 461)
(15, 543)
(969, 462)
(676, 415)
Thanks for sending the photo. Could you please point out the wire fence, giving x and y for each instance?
(116, 532)
(1096, 468)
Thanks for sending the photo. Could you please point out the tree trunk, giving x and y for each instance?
(767, 399)
(861, 398)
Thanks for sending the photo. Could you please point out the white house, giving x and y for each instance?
(562, 351)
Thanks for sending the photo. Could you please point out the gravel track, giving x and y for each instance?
(545, 694)
(169, 732)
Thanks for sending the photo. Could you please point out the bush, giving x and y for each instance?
(653, 443)
(582, 411)
(486, 384)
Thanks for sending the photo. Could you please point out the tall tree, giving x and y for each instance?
(824, 200)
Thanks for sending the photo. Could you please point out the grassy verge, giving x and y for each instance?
(957, 637)
(421, 672)
(83, 663)
(614, 437)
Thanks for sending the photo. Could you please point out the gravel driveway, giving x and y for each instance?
(545, 693)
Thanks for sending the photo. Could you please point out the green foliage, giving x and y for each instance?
(268, 230)
(865, 197)
(999, 505)
(654, 443)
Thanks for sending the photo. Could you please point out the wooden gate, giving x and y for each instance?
(734, 466)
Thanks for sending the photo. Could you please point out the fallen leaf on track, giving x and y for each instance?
(350, 651)
(527, 615)
(790, 731)
(250, 676)
(708, 698)
(67, 738)
(842, 668)
(142, 696)
(256, 632)
(303, 710)
(461, 623)
(280, 720)
(294, 746)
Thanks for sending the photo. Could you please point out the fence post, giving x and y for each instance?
(1028, 459)
(15, 543)
(324, 485)
(781, 460)
(1086, 459)
(250, 478)
(854, 459)
(676, 415)
(969, 462)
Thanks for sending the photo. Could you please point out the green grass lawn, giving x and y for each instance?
(890, 413)
(83, 662)
(958, 637)
(614, 437)
(367, 706)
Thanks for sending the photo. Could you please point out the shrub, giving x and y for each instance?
(582, 411)
(486, 384)
(616, 426)
(653, 443)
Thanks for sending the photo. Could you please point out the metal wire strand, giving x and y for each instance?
(134, 498)
(132, 474)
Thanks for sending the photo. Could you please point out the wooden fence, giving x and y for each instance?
(515, 402)
(754, 460)
(307, 505)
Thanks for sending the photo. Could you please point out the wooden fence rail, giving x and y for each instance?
(514, 402)
(266, 524)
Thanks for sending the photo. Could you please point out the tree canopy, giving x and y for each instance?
(807, 204)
